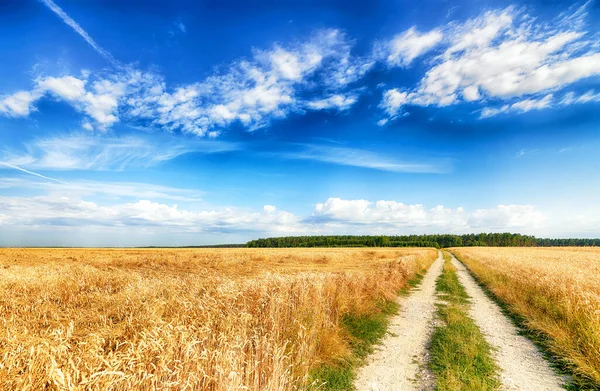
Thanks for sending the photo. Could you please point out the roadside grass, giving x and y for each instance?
(364, 332)
(542, 340)
(460, 357)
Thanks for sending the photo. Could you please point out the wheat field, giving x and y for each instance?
(556, 290)
(186, 319)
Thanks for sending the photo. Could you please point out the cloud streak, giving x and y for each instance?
(89, 152)
(79, 30)
(354, 157)
(28, 172)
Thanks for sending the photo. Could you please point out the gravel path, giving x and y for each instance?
(522, 366)
(399, 364)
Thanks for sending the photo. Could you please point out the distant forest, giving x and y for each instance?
(438, 241)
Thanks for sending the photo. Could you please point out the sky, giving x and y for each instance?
(174, 123)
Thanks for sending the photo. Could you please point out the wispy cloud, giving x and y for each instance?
(361, 158)
(79, 30)
(100, 189)
(89, 152)
(523, 152)
(521, 106)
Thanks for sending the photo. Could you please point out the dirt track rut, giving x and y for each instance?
(397, 365)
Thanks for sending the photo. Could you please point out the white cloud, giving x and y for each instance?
(337, 101)
(571, 98)
(68, 87)
(393, 215)
(100, 101)
(362, 158)
(68, 211)
(521, 106)
(393, 100)
(253, 91)
(507, 217)
(18, 104)
(333, 216)
(503, 56)
(548, 101)
(404, 48)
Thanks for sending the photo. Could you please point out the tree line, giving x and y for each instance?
(437, 241)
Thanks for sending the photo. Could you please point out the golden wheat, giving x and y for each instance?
(556, 290)
(209, 319)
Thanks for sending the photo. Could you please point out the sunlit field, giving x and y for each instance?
(556, 290)
(189, 319)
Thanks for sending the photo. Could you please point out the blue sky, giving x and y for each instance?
(179, 123)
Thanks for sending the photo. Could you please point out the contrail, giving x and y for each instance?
(29, 172)
(75, 26)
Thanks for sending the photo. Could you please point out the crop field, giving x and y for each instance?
(557, 293)
(187, 319)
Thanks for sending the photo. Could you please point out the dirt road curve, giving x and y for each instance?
(398, 362)
(522, 366)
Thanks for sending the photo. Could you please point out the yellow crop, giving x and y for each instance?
(186, 319)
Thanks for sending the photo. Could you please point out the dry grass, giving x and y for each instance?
(225, 319)
(556, 290)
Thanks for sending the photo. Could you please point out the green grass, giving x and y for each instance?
(459, 355)
(412, 283)
(365, 331)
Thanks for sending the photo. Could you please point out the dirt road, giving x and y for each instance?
(522, 365)
(399, 362)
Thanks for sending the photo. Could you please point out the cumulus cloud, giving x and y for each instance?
(502, 56)
(336, 215)
(18, 104)
(61, 211)
(393, 215)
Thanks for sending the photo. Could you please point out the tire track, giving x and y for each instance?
(398, 363)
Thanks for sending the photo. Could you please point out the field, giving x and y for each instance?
(193, 319)
(555, 291)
